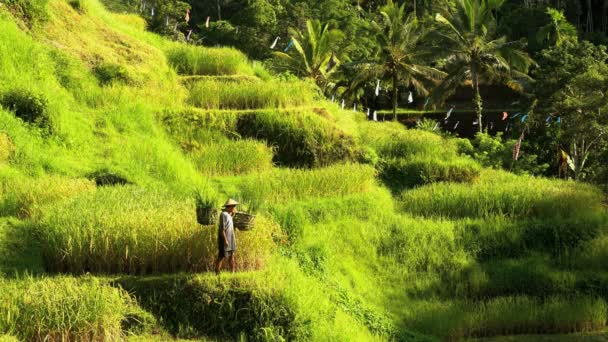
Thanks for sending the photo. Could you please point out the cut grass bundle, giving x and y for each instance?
(136, 231)
(219, 94)
(507, 316)
(281, 186)
(193, 60)
(499, 193)
(302, 139)
(63, 308)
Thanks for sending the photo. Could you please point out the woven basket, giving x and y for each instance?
(206, 215)
(243, 221)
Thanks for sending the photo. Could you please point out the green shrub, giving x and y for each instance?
(301, 139)
(105, 177)
(109, 73)
(28, 106)
(407, 173)
(192, 126)
(221, 94)
(196, 306)
(499, 193)
(130, 230)
(62, 308)
(193, 60)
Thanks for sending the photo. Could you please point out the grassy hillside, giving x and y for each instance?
(365, 232)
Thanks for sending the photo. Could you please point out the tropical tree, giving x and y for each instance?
(558, 30)
(313, 53)
(402, 56)
(476, 53)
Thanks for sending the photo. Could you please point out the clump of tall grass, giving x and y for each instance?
(499, 193)
(453, 320)
(194, 60)
(302, 139)
(244, 304)
(219, 94)
(190, 126)
(135, 231)
(285, 185)
(63, 308)
(593, 254)
(419, 170)
(232, 157)
(392, 140)
(24, 196)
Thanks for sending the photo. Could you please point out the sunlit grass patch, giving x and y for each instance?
(194, 60)
(63, 308)
(503, 194)
(220, 94)
(232, 157)
(284, 185)
(135, 231)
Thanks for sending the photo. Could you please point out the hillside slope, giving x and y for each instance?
(364, 231)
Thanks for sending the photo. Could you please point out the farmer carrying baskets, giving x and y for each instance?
(226, 239)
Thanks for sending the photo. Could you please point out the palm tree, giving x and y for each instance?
(476, 53)
(402, 55)
(314, 55)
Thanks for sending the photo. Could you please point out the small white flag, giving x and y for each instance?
(343, 103)
(275, 43)
(449, 113)
(355, 107)
(189, 34)
(456, 125)
(378, 88)
(410, 99)
(207, 22)
(367, 113)
(152, 11)
(436, 126)
(375, 116)
(333, 98)
(475, 123)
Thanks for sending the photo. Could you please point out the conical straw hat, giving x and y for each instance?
(230, 203)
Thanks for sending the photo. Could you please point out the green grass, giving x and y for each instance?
(193, 60)
(220, 94)
(63, 308)
(135, 231)
(503, 194)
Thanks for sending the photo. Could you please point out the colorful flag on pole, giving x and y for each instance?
(378, 88)
(275, 43)
(207, 22)
(288, 46)
(187, 18)
(410, 98)
(517, 147)
(505, 115)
